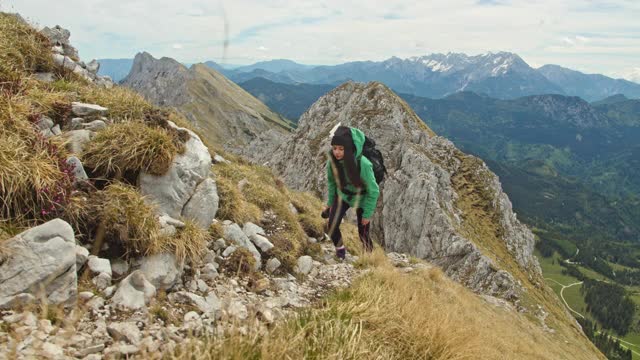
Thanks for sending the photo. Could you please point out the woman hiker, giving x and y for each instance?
(352, 184)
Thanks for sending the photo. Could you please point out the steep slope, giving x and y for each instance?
(590, 87)
(223, 112)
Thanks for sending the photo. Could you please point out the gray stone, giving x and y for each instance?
(119, 267)
(238, 309)
(120, 350)
(219, 244)
(95, 125)
(134, 292)
(305, 264)
(219, 159)
(85, 295)
(93, 66)
(203, 205)
(162, 270)
(41, 260)
(52, 351)
(233, 233)
(59, 36)
(293, 209)
(78, 170)
(76, 123)
(89, 350)
(56, 130)
(261, 242)
(45, 123)
(207, 306)
(209, 272)
(102, 281)
(127, 331)
(45, 77)
(171, 191)
(228, 251)
(82, 254)
(96, 303)
(99, 265)
(77, 140)
(83, 109)
(272, 265)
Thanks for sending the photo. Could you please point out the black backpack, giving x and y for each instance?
(375, 156)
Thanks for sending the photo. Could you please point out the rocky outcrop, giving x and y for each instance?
(185, 189)
(436, 202)
(224, 112)
(65, 55)
(41, 262)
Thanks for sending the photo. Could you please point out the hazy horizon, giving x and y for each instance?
(592, 37)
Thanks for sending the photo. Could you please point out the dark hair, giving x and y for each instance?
(343, 137)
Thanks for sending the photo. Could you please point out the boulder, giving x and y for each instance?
(40, 261)
(171, 191)
(134, 292)
(162, 270)
(203, 205)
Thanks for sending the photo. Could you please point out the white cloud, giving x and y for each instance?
(572, 33)
(176, 46)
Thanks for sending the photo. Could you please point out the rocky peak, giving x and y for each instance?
(161, 81)
(436, 203)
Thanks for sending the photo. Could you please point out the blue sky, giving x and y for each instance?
(590, 36)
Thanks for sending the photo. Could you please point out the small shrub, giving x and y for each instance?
(130, 146)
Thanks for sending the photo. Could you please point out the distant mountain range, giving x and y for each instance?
(501, 75)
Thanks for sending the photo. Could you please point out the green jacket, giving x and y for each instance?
(366, 201)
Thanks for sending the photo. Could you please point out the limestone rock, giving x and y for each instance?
(203, 205)
(305, 264)
(134, 292)
(162, 270)
(42, 258)
(127, 331)
(236, 235)
(83, 109)
(171, 191)
(272, 265)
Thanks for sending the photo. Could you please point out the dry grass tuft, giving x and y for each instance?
(130, 146)
(189, 244)
(240, 263)
(128, 219)
(23, 51)
(35, 181)
(232, 204)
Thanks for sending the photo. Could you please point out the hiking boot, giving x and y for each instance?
(341, 253)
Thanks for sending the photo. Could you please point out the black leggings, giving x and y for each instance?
(336, 213)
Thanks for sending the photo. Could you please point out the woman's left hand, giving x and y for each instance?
(365, 222)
